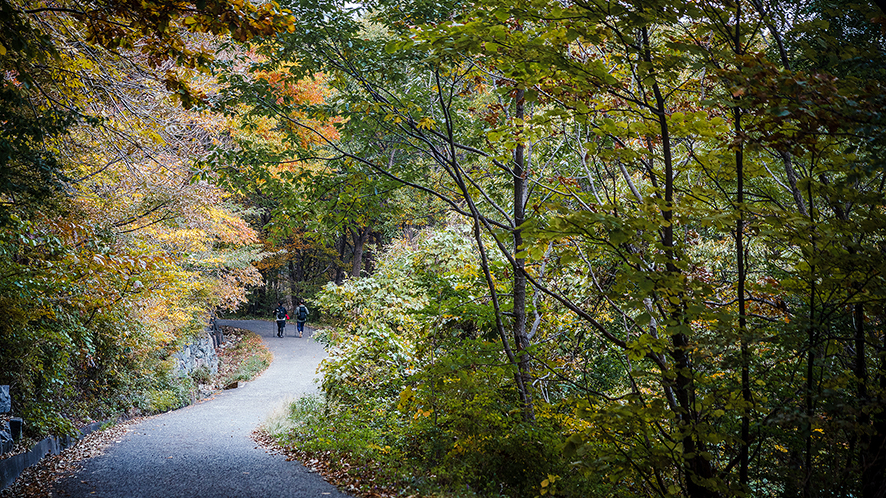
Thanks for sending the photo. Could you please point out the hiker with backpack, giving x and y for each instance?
(301, 316)
(281, 316)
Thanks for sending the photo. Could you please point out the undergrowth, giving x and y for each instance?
(245, 360)
(381, 452)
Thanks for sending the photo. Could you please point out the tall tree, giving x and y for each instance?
(607, 151)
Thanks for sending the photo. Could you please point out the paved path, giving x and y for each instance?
(205, 449)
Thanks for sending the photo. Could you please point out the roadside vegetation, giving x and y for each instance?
(415, 392)
(242, 358)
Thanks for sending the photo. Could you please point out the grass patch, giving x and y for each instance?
(243, 357)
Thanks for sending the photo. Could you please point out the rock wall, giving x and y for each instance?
(7, 441)
(200, 351)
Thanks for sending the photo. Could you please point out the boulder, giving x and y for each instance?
(5, 400)
(6, 441)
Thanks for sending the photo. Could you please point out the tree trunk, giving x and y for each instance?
(695, 465)
(359, 236)
(874, 455)
(301, 267)
(812, 338)
(294, 284)
(339, 272)
(521, 340)
(744, 454)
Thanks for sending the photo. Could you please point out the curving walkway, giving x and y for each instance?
(205, 449)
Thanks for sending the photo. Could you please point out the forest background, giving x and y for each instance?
(566, 248)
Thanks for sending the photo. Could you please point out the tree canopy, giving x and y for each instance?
(112, 253)
(696, 188)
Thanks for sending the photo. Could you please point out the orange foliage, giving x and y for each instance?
(306, 92)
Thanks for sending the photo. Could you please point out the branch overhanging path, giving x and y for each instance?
(206, 449)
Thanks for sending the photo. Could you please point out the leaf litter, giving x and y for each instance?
(357, 481)
(37, 481)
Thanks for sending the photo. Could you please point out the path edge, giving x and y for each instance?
(12, 467)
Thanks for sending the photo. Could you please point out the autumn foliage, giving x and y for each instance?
(111, 251)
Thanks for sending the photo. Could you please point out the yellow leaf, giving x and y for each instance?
(2, 49)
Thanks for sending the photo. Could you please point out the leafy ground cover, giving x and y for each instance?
(242, 358)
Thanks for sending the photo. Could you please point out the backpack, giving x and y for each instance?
(281, 314)
(302, 313)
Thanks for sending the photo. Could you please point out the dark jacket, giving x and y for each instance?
(297, 309)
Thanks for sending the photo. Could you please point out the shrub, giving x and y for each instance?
(161, 400)
(418, 395)
(201, 375)
(250, 356)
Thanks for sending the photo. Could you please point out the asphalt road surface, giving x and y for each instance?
(205, 450)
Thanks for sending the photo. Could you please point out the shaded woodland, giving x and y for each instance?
(584, 248)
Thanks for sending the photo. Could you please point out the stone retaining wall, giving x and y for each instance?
(197, 353)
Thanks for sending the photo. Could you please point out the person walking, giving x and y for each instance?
(301, 316)
(281, 316)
